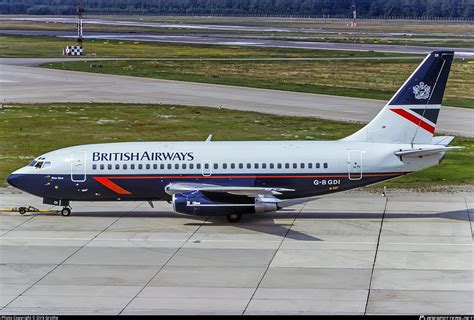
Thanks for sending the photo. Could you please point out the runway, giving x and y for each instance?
(226, 27)
(23, 84)
(350, 253)
(235, 41)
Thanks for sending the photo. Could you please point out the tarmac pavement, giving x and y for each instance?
(349, 253)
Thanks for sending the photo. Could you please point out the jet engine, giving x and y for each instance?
(199, 203)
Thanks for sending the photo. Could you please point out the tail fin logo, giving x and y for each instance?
(421, 91)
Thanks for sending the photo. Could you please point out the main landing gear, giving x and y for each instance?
(66, 211)
(234, 217)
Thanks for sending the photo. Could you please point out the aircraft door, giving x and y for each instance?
(206, 167)
(78, 166)
(355, 164)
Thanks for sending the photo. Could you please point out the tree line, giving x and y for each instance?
(328, 8)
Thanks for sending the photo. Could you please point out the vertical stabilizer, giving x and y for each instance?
(411, 115)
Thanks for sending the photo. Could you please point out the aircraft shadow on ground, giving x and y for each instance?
(269, 223)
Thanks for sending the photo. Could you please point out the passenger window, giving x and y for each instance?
(102, 167)
(132, 166)
(94, 167)
(117, 166)
(264, 165)
(155, 166)
(325, 165)
(169, 166)
(255, 165)
(216, 166)
(279, 166)
(302, 165)
(140, 166)
(317, 165)
(125, 166)
(147, 166)
(249, 166)
(287, 165)
(272, 166)
(232, 165)
(162, 166)
(224, 166)
(183, 166)
(198, 166)
(206, 166)
(295, 166)
(176, 166)
(191, 166)
(310, 165)
(109, 166)
(241, 165)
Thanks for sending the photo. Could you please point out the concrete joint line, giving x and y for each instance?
(16, 227)
(469, 217)
(375, 256)
(62, 262)
(273, 257)
(163, 266)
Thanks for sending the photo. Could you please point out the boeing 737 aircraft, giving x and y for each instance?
(211, 178)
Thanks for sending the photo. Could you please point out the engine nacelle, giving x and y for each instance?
(263, 206)
(198, 203)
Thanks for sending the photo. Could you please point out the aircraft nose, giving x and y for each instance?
(15, 180)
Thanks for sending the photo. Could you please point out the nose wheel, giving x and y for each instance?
(66, 211)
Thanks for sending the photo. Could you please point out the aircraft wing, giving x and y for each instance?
(174, 188)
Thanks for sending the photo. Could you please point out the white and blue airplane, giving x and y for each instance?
(213, 178)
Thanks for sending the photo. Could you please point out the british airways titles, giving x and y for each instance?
(142, 156)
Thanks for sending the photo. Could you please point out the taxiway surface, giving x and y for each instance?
(242, 41)
(23, 84)
(350, 253)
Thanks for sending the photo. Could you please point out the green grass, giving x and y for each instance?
(30, 130)
(51, 47)
(375, 79)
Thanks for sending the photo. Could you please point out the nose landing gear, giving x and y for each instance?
(66, 211)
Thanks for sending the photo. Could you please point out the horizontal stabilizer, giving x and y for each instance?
(417, 152)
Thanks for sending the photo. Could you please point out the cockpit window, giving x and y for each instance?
(40, 163)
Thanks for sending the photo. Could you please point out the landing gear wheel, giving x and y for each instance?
(22, 210)
(234, 217)
(65, 212)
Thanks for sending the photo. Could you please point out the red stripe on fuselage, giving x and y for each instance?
(112, 186)
(419, 122)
